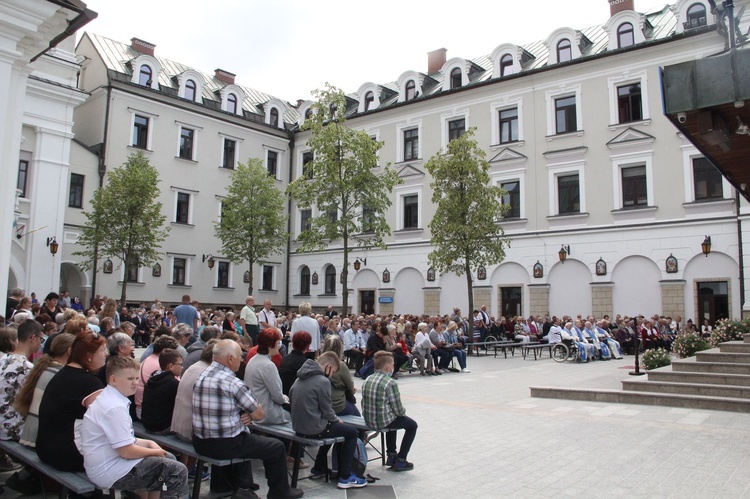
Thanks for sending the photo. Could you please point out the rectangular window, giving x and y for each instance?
(368, 219)
(267, 283)
(333, 215)
(187, 136)
(179, 271)
(304, 220)
(307, 170)
(132, 273)
(512, 199)
(411, 144)
(182, 216)
(568, 194)
(629, 103)
(511, 301)
(456, 128)
(634, 187)
(230, 149)
(23, 177)
(565, 114)
(75, 196)
(707, 180)
(411, 211)
(140, 132)
(508, 125)
(222, 276)
(273, 158)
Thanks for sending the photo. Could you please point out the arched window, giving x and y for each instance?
(190, 90)
(274, 118)
(456, 78)
(369, 99)
(696, 16)
(625, 35)
(304, 281)
(506, 65)
(308, 114)
(232, 103)
(411, 90)
(330, 280)
(144, 78)
(564, 50)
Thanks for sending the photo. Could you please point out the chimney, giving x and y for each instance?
(224, 76)
(142, 46)
(435, 60)
(616, 6)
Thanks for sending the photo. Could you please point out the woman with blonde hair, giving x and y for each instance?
(110, 310)
(342, 384)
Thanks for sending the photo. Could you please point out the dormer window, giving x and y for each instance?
(144, 77)
(456, 78)
(506, 65)
(696, 16)
(308, 114)
(564, 50)
(232, 103)
(369, 100)
(190, 90)
(274, 118)
(625, 35)
(411, 90)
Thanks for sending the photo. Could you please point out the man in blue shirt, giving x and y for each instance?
(187, 314)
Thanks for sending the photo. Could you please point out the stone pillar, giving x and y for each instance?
(482, 296)
(601, 299)
(431, 300)
(385, 300)
(539, 299)
(673, 298)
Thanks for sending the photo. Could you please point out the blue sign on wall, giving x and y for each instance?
(385, 299)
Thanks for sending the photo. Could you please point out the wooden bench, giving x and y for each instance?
(504, 346)
(286, 432)
(536, 347)
(173, 442)
(74, 482)
(480, 345)
(359, 423)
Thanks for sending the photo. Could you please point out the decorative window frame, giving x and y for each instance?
(449, 66)
(680, 8)
(506, 48)
(237, 142)
(400, 129)
(624, 79)
(279, 159)
(182, 79)
(550, 96)
(626, 16)
(139, 277)
(151, 62)
(362, 92)
(401, 193)
(274, 104)
(302, 110)
(180, 126)
(561, 163)
(627, 160)
(405, 77)
(151, 121)
(188, 265)
(238, 92)
(508, 102)
(230, 274)
(444, 120)
(274, 276)
(191, 207)
(518, 174)
(556, 36)
(689, 152)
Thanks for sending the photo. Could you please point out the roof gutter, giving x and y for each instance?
(84, 17)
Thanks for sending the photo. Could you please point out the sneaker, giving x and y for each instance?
(465, 370)
(7, 464)
(402, 465)
(390, 460)
(353, 482)
(204, 476)
(315, 474)
(437, 373)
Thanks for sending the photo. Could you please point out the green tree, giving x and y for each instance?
(344, 182)
(253, 224)
(465, 231)
(126, 221)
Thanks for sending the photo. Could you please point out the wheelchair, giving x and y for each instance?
(565, 350)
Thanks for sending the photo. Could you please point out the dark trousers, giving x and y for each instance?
(347, 448)
(401, 423)
(359, 358)
(445, 358)
(248, 445)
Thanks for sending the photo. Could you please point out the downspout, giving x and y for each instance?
(289, 222)
(102, 172)
(741, 258)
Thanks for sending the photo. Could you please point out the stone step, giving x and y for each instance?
(644, 398)
(714, 355)
(699, 377)
(734, 347)
(746, 338)
(690, 365)
(658, 387)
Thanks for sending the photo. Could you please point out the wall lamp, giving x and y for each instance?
(359, 262)
(53, 245)
(706, 246)
(563, 253)
(210, 259)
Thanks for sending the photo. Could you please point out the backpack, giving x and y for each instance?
(359, 462)
(367, 369)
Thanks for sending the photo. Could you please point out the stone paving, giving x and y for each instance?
(482, 436)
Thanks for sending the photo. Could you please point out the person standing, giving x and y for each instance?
(306, 323)
(187, 314)
(249, 321)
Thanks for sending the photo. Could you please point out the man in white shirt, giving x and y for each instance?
(354, 345)
(306, 323)
(249, 321)
(267, 317)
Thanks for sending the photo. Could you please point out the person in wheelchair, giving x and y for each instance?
(582, 346)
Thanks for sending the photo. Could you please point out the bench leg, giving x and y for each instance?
(298, 451)
(63, 494)
(197, 480)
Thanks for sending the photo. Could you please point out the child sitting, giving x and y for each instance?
(160, 392)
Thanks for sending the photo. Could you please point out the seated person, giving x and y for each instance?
(262, 377)
(342, 384)
(291, 362)
(14, 368)
(453, 341)
(555, 334)
(602, 330)
(354, 345)
(113, 457)
(313, 417)
(568, 331)
(443, 353)
(161, 391)
(422, 351)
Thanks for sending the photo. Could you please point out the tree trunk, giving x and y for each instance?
(345, 273)
(123, 292)
(250, 284)
(467, 269)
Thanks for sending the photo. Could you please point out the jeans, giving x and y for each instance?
(347, 448)
(401, 423)
(460, 355)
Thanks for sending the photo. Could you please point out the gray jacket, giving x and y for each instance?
(311, 400)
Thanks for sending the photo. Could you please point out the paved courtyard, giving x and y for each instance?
(482, 436)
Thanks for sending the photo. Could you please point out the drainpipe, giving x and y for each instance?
(289, 223)
(102, 171)
(741, 258)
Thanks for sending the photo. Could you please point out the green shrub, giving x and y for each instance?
(687, 343)
(654, 358)
(729, 330)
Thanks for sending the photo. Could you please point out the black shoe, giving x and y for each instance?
(290, 493)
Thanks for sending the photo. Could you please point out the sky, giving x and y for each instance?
(288, 48)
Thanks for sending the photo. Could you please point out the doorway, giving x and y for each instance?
(511, 300)
(367, 301)
(713, 302)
